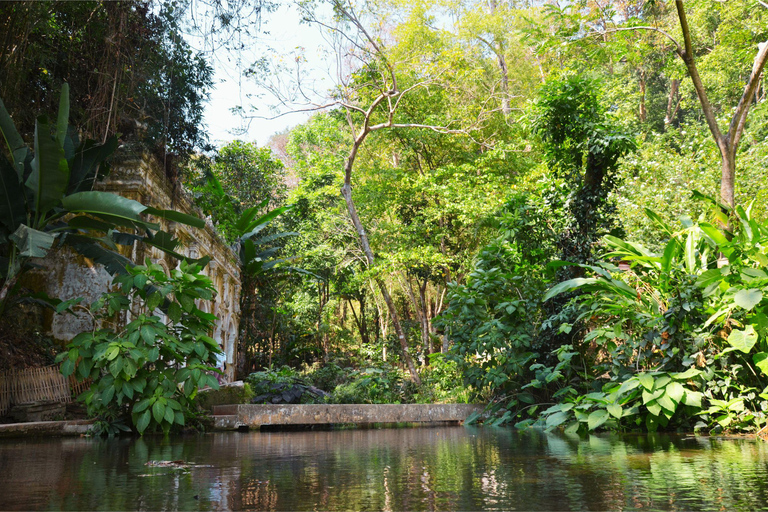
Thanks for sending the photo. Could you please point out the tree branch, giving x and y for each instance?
(742, 109)
(687, 55)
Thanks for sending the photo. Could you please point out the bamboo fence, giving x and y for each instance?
(45, 384)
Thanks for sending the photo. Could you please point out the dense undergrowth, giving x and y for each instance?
(338, 382)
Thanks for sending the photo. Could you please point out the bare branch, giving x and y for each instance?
(742, 109)
(687, 55)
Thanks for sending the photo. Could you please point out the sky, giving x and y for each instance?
(283, 34)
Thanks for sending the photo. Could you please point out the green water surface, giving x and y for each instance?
(450, 468)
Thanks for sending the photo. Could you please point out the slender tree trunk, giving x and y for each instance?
(672, 103)
(728, 143)
(642, 113)
(346, 192)
(425, 339)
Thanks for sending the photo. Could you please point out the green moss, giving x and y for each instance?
(227, 395)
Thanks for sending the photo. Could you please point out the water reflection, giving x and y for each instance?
(397, 469)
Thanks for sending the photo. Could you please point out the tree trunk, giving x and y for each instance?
(728, 176)
(727, 143)
(672, 105)
(642, 113)
(346, 192)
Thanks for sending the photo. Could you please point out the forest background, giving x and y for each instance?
(517, 220)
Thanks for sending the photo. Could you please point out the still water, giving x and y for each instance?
(451, 468)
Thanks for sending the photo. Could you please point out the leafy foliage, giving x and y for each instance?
(147, 373)
(47, 198)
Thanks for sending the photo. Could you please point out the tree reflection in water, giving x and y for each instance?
(453, 468)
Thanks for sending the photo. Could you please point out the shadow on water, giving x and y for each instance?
(441, 468)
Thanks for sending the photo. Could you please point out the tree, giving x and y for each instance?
(46, 199)
(728, 141)
(130, 69)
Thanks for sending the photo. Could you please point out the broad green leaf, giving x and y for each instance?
(614, 410)
(174, 312)
(572, 428)
(557, 419)
(63, 117)
(31, 242)
(174, 216)
(646, 380)
(690, 252)
(675, 391)
(597, 418)
(116, 366)
(158, 412)
(688, 374)
(85, 164)
(628, 385)
(67, 367)
(12, 206)
(708, 277)
(169, 415)
(141, 405)
(667, 403)
(247, 217)
(748, 299)
(653, 408)
(108, 394)
(143, 422)
(148, 334)
(761, 361)
(111, 206)
(16, 147)
(743, 340)
(717, 237)
(659, 221)
(50, 172)
(692, 398)
(661, 381)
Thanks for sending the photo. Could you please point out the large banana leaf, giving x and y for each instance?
(592, 284)
(106, 203)
(257, 225)
(63, 119)
(166, 243)
(173, 215)
(85, 164)
(50, 171)
(31, 242)
(113, 262)
(246, 221)
(16, 147)
(13, 210)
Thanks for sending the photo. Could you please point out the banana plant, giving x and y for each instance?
(46, 198)
(255, 257)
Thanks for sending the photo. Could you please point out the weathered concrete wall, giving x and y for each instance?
(67, 275)
(322, 414)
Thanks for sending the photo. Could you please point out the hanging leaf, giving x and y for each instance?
(31, 242)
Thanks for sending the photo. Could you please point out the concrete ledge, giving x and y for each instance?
(255, 416)
(46, 428)
(226, 422)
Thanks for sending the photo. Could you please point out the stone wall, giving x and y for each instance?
(67, 275)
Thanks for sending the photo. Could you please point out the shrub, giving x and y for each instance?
(148, 372)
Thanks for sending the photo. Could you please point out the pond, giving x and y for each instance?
(446, 468)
